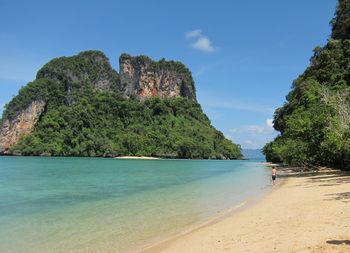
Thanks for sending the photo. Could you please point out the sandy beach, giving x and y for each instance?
(306, 212)
(137, 157)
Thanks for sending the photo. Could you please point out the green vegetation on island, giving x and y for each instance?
(314, 123)
(86, 114)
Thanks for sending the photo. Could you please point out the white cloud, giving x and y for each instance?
(269, 122)
(201, 42)
(255, 129)
(194, 34)
(253, 136)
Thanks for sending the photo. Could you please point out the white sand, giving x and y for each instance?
(309, 212)
(137, 157)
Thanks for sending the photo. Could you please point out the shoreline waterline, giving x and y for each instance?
(282, 220)
(157, 244)
(161, 242)
(138, 157)
(111, 205)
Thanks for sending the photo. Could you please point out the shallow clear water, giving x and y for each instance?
(111, 205)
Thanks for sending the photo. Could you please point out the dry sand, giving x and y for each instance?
(308, 212)
(137, 157)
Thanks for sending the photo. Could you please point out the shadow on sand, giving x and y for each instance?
(324, 178)
(339, 242)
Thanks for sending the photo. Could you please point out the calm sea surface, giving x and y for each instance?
(111, 205)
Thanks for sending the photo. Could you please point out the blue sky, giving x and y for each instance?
(243, 55)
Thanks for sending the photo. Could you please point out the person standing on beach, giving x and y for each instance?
(274, 175)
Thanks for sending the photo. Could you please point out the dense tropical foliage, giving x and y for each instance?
(314, 122)
(107, 125)
(84, 117)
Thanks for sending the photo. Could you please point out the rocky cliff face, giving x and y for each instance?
(143, 78)
(23, 123)
(139, 78)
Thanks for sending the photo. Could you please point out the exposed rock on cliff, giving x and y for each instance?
(80, 106)
(143, 78)
(23, 123)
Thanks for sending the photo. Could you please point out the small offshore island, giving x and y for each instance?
(80, 106)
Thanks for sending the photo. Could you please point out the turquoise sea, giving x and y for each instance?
(111, 205)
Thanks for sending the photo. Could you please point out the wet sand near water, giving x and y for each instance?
(308, 212)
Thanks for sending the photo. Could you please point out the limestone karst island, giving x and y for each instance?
(81, 106)
(231, 135)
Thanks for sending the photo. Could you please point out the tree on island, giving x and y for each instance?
(314, 122)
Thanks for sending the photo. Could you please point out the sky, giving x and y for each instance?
(243, 55)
